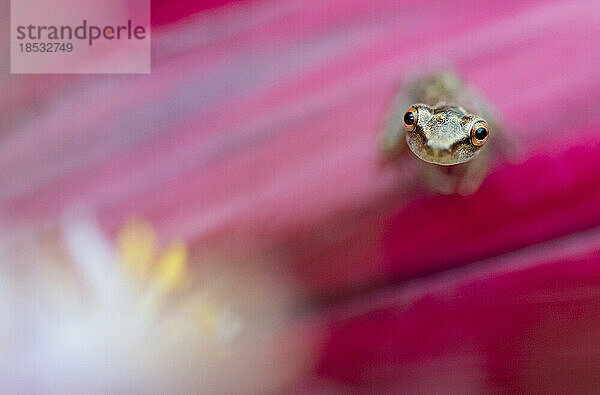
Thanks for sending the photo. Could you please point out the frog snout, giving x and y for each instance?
(436, 146)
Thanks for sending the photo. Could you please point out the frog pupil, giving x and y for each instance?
(409, 118)
(481, 133)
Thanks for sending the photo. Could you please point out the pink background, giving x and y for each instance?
(259, 125)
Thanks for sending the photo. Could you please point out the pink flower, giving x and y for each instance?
(259, 125)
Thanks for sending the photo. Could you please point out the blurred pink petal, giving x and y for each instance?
(259, 125)
(524, 322)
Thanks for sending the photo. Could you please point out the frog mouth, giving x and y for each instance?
(443, 157)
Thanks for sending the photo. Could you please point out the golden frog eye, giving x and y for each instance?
(410, 119)
(479, 133)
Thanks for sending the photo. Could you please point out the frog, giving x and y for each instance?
(447, 128)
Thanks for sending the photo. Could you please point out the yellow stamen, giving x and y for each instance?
(171, 266)
(137, 244)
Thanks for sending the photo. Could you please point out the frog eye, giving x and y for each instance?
(479, 133)
(410, 119)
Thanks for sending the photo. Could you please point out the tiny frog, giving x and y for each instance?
(447, 128)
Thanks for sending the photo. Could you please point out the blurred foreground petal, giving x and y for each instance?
(81, 322)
